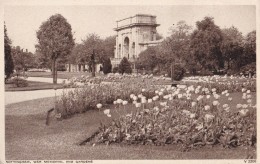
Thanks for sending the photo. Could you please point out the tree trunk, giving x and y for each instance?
(54, 75)
(93, 69)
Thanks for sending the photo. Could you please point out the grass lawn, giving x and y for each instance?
(32, 85)
(27, 137)
(61, 75)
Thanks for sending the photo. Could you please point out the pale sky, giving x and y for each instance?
(23, 21)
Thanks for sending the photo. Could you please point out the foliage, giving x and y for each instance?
(9, 65)
(81, 53)
(108, 46)
(183, 115)
(148, 59)
(42, 60)
(55, 40)
(18, 80)
(232, 47)
(88, 96)
(22, 59)
(249, 54)
(115, 70)
(124, 66)
(205, 44)
(249, 68)
(107, 66)
(178, 72)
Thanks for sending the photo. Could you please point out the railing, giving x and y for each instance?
(136, 19)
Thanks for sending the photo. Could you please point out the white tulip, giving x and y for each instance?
(192, 115)
(106, 111)
(206, 107)
(119, 101)
(193, 104)
(225, 105)
(249, 101)
(125, 102)
(99, 106)
(239, 106)
(137, 105)
(215, 103)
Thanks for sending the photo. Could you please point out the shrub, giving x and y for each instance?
(107, 66)
(249, 68)
(178, 72)
(124, 66)
(115, 70)
(19, 82)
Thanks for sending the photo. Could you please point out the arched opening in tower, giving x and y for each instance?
(126, 47)
(133, 50)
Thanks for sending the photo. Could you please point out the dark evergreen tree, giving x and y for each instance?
(124, 66)
(107, 66)
(9, 65)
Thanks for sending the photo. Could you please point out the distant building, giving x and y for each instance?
(134, 35)
(81, 67)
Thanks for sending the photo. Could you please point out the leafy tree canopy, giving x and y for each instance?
(205, 44)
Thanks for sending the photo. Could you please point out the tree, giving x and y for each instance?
(82, 52)
(109, 46)
(22, 59)
(249, 54)
(9, 65)
(55, 40)
(231, 46)
(42, 60)
(205, 44)
(176, 48)
(148, 59)
(158, 36)
(107, 66)
(124, 66)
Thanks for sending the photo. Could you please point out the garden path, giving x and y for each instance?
(44, 79)
(20, 96)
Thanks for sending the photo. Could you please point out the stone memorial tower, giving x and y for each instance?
(134, 35)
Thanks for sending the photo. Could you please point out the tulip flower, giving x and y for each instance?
(215, 103)
(99, 106)
(206, 107)
(138, 105)
(193, 104)
(125, 102)
(192, 115)
(225, 105)
(106, 111)
(239, 106)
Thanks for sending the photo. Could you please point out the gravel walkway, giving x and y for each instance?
(44, 79)
(19, 96)
(14, 97)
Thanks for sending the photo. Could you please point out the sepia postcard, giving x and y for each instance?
(129, 81)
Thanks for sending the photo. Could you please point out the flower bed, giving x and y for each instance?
(198, 113)
(194, 120)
